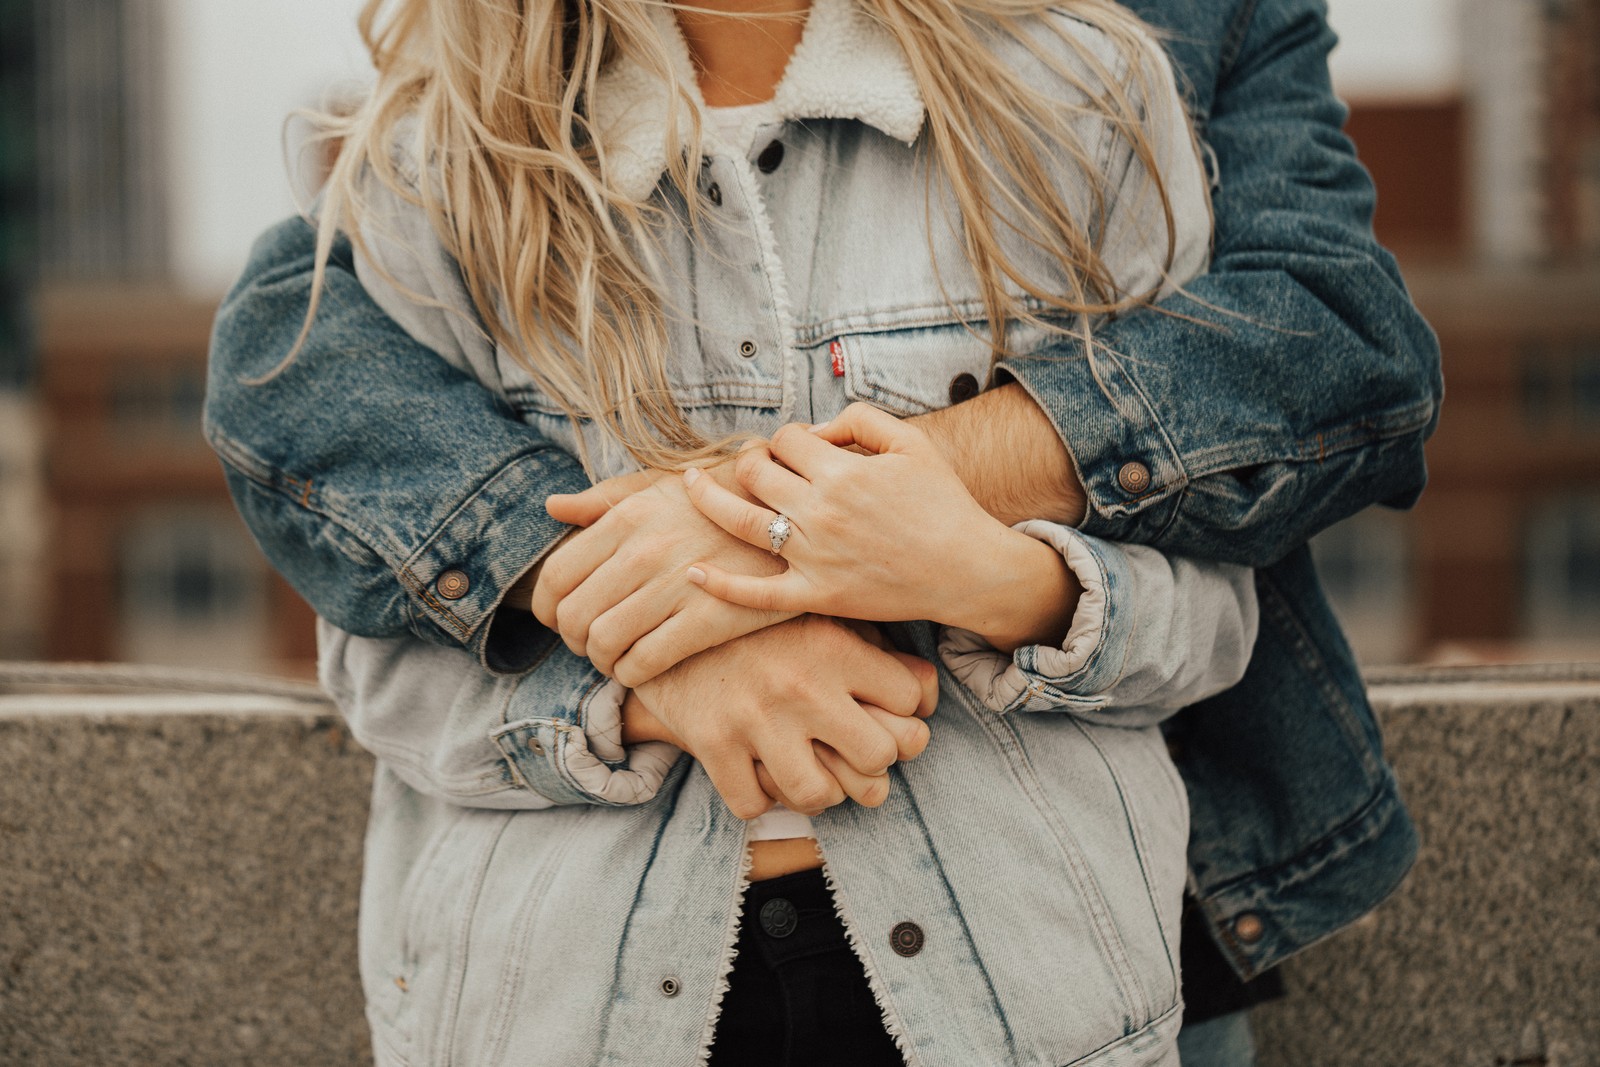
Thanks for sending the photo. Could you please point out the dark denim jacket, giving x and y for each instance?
(1310, 402)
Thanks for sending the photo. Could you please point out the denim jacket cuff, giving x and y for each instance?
(581, 760)
(1073, 676)
(459, 576)
(1133, 477)
(1151, 633)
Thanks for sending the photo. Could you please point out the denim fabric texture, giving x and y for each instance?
(1093, 810)
(1297, 826)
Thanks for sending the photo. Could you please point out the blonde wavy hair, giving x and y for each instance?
(551, 252)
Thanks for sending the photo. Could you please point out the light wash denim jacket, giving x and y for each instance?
(1254, 436)
(812, 285)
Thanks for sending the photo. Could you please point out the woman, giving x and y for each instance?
(926, 189)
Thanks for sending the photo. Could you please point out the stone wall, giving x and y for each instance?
(181, 854)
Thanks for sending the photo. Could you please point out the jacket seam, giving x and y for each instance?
(1361, 828)
(1318, 447)
(1233, 44)
(301, 491)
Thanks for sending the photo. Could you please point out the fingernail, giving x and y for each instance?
(691, 476)
(697, 576)
(819, 427)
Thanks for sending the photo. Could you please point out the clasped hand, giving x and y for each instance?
(807, 711)
(882, 528)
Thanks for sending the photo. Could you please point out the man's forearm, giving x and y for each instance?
(1009, 455)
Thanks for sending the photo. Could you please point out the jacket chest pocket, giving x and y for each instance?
(919, 369)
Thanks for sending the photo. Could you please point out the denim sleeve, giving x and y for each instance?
(450, 729)
(1292, 384)
(1151, 634)
(368, 468)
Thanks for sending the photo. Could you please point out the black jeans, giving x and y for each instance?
(797, 996)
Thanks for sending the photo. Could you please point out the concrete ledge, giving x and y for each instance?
(182, 854)
(181, 871)
(1489, 955)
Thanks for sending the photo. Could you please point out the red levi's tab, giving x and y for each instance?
(836, 353)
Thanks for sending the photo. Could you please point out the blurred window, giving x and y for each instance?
(158, 404)
(193, 591)
(1586, 386)
(1561, 386)
(1366, 565)
(1563, 568)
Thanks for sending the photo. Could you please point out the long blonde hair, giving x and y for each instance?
(515, 183)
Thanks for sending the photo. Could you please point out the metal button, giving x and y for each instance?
(670, 987)
(963, 387)
(453, 584)
(1249, 927)
(906, 939)
(1134, 477)
(748, 349)
(778, 917)
(714, 194)
(770, 157)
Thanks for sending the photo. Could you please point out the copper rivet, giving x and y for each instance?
(1134, 477)
(906, 939)
(453, 584)
(1249, 928)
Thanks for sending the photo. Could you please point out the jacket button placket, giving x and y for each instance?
(733, 282)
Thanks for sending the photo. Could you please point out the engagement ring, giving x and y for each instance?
(778, 531)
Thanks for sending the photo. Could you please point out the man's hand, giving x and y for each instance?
(808, 704)
(618, 591)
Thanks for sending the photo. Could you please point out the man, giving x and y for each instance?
(1295, 385)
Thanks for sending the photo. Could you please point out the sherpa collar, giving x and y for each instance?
(847, 66)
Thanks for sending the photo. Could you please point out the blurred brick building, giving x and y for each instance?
(1489, 194)
(1491, 199)
(144, 558)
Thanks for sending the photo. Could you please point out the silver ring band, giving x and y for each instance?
(778, 531)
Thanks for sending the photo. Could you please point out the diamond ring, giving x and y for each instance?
(778, 531)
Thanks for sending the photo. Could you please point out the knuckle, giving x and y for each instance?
(910, 695)
(755, 527)
(915, 739)
(748, 806)
(815, 796)
(879, 752)
(605, 640)
(748, 465)
(556, 572)
(875, 793)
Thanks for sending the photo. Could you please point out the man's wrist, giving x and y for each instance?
(1010, 456)
(640, 724)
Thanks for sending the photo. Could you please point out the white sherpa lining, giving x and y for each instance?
(846, 66)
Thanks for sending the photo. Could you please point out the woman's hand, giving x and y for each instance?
(806, 712)
(888, 535)
(618, 591)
